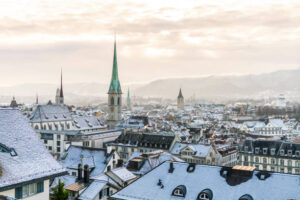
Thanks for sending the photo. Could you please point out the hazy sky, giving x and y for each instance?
(155, 39)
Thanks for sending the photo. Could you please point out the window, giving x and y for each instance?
(298, 153)
(290, 152)
(256, 159)
(179, 191)
(265, 150)
(119, 101)
(282, 152)
(265, 160)
(50, 148)
(273, 161)
(58, 137)
(289, 163)
(29, 190)
(58, 143)
(112, 101)
(246, 197)
(74, 174)
(282, 162)
(58, 149)
(45, 141)
(246, 148)
(257, 150)
(206, 194)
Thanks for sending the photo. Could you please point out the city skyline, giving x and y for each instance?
(155, 40)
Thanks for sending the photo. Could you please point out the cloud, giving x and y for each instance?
(155, 39)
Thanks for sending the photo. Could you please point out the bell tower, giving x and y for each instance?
(114, 95)
(180, 101)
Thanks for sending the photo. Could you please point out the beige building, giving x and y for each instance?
(275, 156)
(205, 154)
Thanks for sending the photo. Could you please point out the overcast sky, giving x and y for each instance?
(155, 39)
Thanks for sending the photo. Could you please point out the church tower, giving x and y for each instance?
(114, 95)
(180, 101)
(128, 101)
(59, 98)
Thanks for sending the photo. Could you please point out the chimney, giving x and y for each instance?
(86, 174)
(79, 172)
(171, 169)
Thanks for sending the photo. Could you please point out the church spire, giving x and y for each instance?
(128, 96)
(180, 94)
(61, 85)
(115, 86)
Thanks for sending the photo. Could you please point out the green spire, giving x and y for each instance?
(128, 96)
(115, 86)
(180, 94)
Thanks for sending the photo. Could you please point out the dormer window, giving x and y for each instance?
(290, 152)
(265, 150)
(179, 191)
(246, 148)
(205, 195)
(298, 153)
(246, 197)
(256, 150)
(273, 151)
(282, 152)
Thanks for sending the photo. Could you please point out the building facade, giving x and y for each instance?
(275, 156)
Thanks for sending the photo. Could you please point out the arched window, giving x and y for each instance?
(206, 194)
(246, 197)
(68, 126)
(50, 126)
(112, 101)
(179, 191)
(45, 127)
(36, 127)
(119, 101)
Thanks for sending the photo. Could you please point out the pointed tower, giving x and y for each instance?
(59, 98)
(37, 99)
(180, 101)
(128, 100)
(114, 94)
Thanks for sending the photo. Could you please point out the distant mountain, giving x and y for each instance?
(218, 87)
(211, 87)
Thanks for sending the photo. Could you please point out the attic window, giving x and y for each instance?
(6, 149)
(246, 197)
(290, 152)
(273, 151)
(282, 152)
(191, 167)
(298, 153)
(265, 150)
(179, 191)
(206, 194)
(256, 150)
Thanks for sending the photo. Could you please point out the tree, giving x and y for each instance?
(59, 192)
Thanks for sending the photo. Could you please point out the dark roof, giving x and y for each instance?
(277, 145)
(153, 140)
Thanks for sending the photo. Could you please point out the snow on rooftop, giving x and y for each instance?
(200, 149)
(33, 160)
(95, 158)
(276, 187)
(123, 174)
(92, 190)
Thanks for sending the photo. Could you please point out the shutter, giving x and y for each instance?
(18, 193)
(40, 187)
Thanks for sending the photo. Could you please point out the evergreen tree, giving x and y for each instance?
(59, 192)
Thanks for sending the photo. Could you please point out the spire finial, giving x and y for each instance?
(61, 84)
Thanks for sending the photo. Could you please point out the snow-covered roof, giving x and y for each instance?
(95, 158)
(277, 186)
(92, 190)
(88, 122)
(199, 149)
(50, 112)
(123, 174)
(32, 160)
